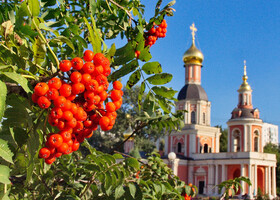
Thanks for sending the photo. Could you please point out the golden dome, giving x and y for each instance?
(193, 55)
(244, 86)
(128, 132)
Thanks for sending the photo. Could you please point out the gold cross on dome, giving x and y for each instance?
(193, 29)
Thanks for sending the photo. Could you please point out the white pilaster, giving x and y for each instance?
(192, 145)
(250, 138)
(186, 146)
(255, 179)
(250, 192)
(175, 166)
(269, 181)
(273, 181)
(216, 178)
(266, 179)
(190, 175)
(171, 143)
(242, 182)
(228, 142)
(244, 138)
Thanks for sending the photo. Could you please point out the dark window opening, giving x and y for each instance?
(179, 147)
(193, 117)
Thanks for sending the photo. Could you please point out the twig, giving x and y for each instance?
(142, 125)
(15, 88)
(88, 185)
(43, 38)
(44, 183)
(26, 59)
(128, 13)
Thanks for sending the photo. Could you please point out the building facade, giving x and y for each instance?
(197, 145)
(270, 134)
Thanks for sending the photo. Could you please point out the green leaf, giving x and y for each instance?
(149, 104)
(5, 151)
(133, 79)
(23, 11)
(141, 92)
(163, 104)
(124, 70)
(4, 174)
(19, 79)
(94, 36)
(119, 192)
(3, 95)
(20, 136)
(64, 40)
(34, 7)
(81, 40)
(111, 52)
(164, 91)
(117, 156)
(132, 189)
(145, 55)
(124, 54)
(160, 79)
(40, 50)
(132, 162)
(152, 68)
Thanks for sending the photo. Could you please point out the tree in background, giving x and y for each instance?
(223, 139)
(127, 115)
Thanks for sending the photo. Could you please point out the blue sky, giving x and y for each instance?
(229, 32)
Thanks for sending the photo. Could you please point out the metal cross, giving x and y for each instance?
(193, 29)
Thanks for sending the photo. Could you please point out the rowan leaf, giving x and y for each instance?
(34, 7)
(64, 40)
(19, 79)
(39, 49)
(133, 79)
(164, 91)
(132, 162)
(160, 79)
(152, 68)
(124, 70)
(5, 151)
(3, 95)
(4, 174)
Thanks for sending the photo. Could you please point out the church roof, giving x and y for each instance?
(245, 113)
(192, 92)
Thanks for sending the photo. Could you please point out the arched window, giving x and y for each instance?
(204, 118)
(179, 147)
(236, 141)
(193, 117)
(256, 141)
(205, 148)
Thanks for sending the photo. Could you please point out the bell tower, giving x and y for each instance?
(192, 97)
(197, 135)
(245, 125)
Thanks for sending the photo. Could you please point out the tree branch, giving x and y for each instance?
(138, 128)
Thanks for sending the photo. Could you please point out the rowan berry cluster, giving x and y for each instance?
(78, 103)
(155, 32)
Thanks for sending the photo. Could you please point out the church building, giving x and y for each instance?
(198, 160)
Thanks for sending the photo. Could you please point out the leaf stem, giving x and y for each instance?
(43, 38)
(26, 59)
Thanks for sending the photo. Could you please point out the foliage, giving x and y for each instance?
(232, 186)
(34, 36)
(223, 139)
(261, 196)
(127, 116)
(275, 149)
